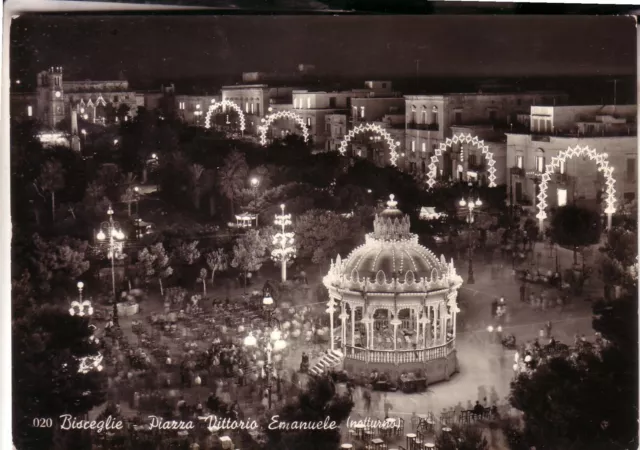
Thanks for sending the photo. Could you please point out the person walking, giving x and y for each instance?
(523, 290)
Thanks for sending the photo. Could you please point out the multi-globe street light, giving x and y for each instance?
(284, 250)
(111, 233)
(255, 183)
(470, 204)
(269, 343)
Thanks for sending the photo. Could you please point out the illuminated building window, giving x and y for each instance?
(252, 108)
(295, 103)
(563, 166)
(562, 197)
(308, 102)
(540, 163)
(519, 161)
(413, 146)
(308, 121)
(424, 147)
(362, 112)
(246, 107)
(29, 111)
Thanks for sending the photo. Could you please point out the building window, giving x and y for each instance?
(29, 111)
(519, 161)
(563, 166)
(492, 116)
(384, 85)
(295, 103)
(308, 102)
(246, 107)
(631, 170)
(458, 117)
(472, 159)
(540, 164)
(424, 147)
(308, 121)
(252, 108)
(562, 197)
(332, 102)
(424, 116)
(413, 146)
(198, 106)
(115, 98)
(257, 108)
(362, 112)
(181, 105)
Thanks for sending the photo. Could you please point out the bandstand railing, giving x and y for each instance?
(400, 356)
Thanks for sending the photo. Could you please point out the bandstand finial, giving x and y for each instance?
(392, 203)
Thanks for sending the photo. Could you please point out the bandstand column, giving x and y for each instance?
(372, 327)
(343, 329)
(443, 324)
(331, 309)
(353, 326)
(434, 337)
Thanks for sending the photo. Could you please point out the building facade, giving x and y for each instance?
(430, 120)
(607, 129)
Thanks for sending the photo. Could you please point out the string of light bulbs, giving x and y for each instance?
(393, 155)
(462, 138)
(270, 118)
(223, 105)
(602, 161)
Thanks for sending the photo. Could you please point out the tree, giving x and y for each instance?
(187, 252)
(585, 396)
(51, 180)
(218, 261)
(249, 253)
(575, 227)
(321, 234)
(233, 176)
(195, 181)
(58, 263)
(144, 267)
(161, 265)
(619, 255)
(202, 278)
(129, 197)
(46, 343)
(317, 403)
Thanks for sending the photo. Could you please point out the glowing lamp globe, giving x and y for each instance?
(515, 367)
(462, 203)
(490, 329)
(276, 335)
(101, 236)
(80, 285)
(279, 345)
(267, 300)
(250, 341)
(527, 358)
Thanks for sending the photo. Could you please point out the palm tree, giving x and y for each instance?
(232, 176)
(195, 179)
(51, 180)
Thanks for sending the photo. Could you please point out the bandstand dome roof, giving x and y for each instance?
(392, 260)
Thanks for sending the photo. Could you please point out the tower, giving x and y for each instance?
(56, 95)
(50, 104)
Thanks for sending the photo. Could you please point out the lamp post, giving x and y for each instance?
(111, 233)
(136, 194)
(255, 182)
(272, 343)
(80, 287)
(471, 205)
(284, 250)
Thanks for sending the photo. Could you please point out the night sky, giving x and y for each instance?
(199, 46)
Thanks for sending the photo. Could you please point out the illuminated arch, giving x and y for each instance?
(602, 162)
(224, 104)
(269, 119)
(462, 138)
(393, 155)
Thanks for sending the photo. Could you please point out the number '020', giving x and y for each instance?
(42, 423)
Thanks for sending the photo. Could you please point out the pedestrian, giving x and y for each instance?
(387, 406)
(366, 396)
(494, 308)
(522, 292)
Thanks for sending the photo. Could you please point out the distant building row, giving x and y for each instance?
(523, 130)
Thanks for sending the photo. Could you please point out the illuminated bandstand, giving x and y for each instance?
(602, 162)
(377, 129)
(223, 105)
(461, 139)
(270, 118)
(397, 303)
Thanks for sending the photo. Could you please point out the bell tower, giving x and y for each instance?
(56, 96)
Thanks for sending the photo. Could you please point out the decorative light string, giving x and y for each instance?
(461, 138)
(602, 161)
(223, 105)
(269, 119)
(393, 155)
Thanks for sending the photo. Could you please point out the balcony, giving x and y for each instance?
(562, 178)
(423, 126)
(476, 167)
(540, 138)
(517, 171)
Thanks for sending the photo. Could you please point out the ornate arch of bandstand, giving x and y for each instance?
(377, 129)
(602, 162)
(269, 119)
(461, 138)
(224, 104)
(396, 301)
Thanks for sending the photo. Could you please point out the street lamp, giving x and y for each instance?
(284, 250)
(111, 233)
(136, 191)
(255, 182)
(274, 342)
(80, 287)
(470, 205)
